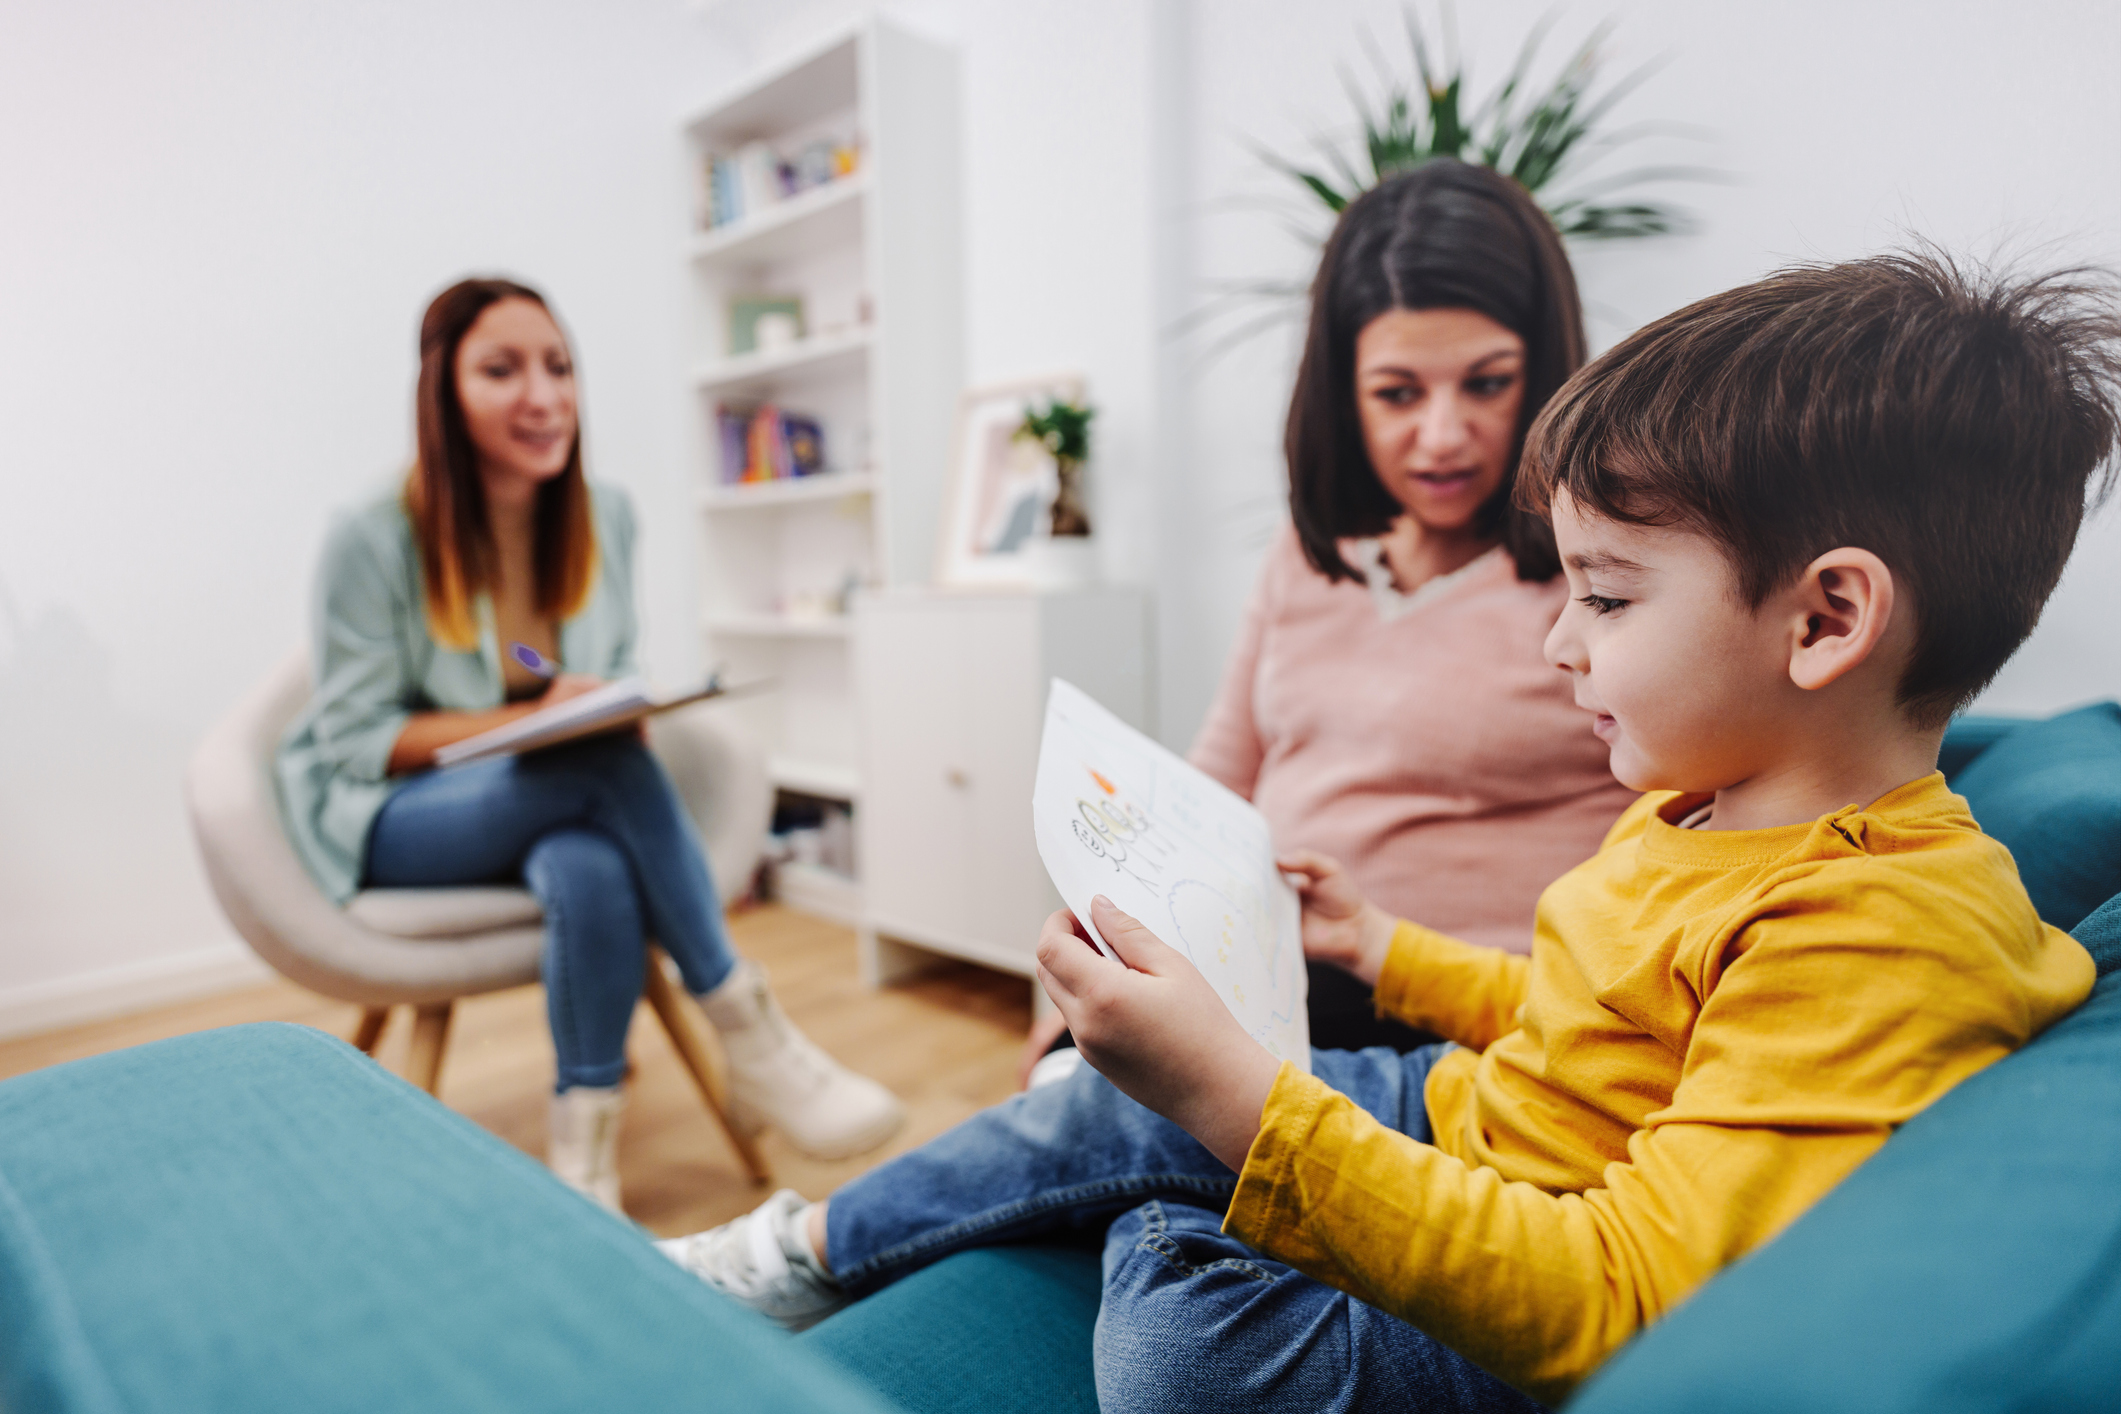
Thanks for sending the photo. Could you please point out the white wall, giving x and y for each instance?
(221, 223)
(220, 227)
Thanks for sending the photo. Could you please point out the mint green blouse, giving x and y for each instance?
(374, 665)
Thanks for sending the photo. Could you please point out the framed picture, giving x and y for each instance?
(1000, 484)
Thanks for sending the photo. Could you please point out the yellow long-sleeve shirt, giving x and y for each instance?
(1713, 1029)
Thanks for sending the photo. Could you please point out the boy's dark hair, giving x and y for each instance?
(1951, 420)
(1446, 235)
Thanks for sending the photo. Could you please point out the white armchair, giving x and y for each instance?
(427, 947)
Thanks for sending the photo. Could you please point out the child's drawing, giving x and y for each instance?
(1117, 814)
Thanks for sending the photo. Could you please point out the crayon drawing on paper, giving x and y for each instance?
(1117, 814)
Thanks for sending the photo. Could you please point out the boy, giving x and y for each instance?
(1804, 522)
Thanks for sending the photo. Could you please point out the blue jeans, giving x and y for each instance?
(598, 833)
(1192, 1319)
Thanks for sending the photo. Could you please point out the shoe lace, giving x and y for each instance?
(744, 1258)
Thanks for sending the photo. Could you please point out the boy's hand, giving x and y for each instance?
(1152, 1025)
(1340, 926)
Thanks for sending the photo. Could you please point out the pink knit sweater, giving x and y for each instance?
(1434, 752)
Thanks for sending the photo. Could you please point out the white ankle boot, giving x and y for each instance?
(778, 1076)
(582, 1141)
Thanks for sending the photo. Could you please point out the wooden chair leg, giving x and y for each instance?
(682, 1020)
(370, 1031)
(430, 1034)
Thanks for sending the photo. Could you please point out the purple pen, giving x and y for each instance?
(532, 659)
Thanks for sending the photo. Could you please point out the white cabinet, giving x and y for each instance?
(953, 690)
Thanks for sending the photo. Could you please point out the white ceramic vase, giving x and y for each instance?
(1062, 561)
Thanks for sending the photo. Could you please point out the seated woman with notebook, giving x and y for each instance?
(497, 538)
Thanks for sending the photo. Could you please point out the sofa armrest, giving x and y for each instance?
(262, 1218)
(1967, 1266)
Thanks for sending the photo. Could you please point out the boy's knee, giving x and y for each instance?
(1189, 1314)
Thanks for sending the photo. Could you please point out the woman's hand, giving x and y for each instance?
(426, 733)
(567, 685)
(1340, 926)
(1152, 1025)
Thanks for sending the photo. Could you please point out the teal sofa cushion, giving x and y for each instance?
(260, 1218)
(2101, 935)
(1974, 1264)
(1968, 737)
(2051, 792)
(998, 1330)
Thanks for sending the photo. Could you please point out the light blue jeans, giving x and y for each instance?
(597, 832)
(1192, 1319)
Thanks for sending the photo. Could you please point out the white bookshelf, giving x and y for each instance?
(815, 220)
(874, 255)
(817, 358)
(767, 495)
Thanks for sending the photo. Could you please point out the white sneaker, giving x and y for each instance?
(1054, 1067)
(778, 1076)
(582, 1141)
(763, 1260)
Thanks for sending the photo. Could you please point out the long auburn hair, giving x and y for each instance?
(446, 502)
(1446, 235)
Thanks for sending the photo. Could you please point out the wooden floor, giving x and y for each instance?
(945, 1042)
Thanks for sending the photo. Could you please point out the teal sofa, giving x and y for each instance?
(259, 1218)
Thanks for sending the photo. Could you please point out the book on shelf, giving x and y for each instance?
(748, 181)
(768, 443)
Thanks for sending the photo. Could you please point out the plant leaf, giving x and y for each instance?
(1546, 135)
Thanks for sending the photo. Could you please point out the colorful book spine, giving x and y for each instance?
(735, 430)
(747, 181)
(805, 443)
(758, 446)
(768, 444)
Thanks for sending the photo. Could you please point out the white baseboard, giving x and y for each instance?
(810, 888)
(135, 986)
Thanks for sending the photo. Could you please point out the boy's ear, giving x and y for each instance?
(1844, 602)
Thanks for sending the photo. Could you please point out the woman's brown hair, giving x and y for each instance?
(446, 502)
(1446, 235)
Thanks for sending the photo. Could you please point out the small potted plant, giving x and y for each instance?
(1065, 556)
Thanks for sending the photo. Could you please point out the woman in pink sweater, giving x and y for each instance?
(1387, 703)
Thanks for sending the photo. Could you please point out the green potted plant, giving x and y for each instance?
(1553, 136)
(1064, 556)
(1545, 136)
